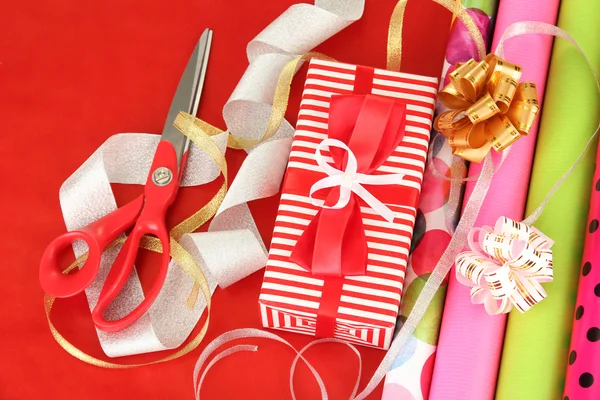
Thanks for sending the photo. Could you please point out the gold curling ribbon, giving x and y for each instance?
(489, 107)
(394, 46)
(199, 132)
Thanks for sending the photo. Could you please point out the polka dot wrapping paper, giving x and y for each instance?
(583, 370)
(411, 374)
(536, 347)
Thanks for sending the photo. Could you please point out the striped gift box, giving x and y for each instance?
(365, 307)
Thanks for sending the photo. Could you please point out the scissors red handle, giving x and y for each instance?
(98, 236)
(147, 216)
(144, 215)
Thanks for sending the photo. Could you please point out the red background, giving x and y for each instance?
(73, 73)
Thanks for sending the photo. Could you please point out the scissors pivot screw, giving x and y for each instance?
(162, 176)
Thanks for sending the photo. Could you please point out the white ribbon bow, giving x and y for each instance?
(350, 181)
(506, 266)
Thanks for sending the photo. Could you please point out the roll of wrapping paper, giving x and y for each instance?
(410, 376)
(470, 343)
(583, 369)
(536, 346)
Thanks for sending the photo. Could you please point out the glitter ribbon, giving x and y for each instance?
(86, 196)
(232, 247)
(505, 266)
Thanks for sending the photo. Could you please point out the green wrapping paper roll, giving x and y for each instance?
(536, 345)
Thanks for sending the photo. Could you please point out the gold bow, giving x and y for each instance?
(489, 108)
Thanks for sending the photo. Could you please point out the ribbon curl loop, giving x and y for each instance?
(506, 266)
(489, 107)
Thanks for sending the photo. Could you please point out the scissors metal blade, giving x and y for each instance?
(187, 96)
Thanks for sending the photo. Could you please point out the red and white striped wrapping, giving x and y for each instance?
(290, 297)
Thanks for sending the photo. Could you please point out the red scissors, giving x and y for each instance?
(145, 215)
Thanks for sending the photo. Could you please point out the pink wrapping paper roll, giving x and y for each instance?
(470, 340)
(583, 371)
(410, 375)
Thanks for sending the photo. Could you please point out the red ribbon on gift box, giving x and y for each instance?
(334, 244)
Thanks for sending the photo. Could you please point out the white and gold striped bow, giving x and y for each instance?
(506, 266)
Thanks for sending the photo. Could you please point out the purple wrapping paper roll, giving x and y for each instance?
(470, 340)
